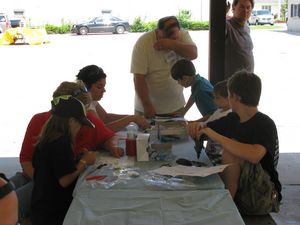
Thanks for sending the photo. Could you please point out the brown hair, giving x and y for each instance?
(53, 129)
(235, 2)
(220, 88)
(162, 22)
(77, 90)
(247, 86)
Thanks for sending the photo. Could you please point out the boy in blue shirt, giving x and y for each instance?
(202, 91)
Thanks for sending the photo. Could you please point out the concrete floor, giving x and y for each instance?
(289, 175)
(288, 168)
(276, 59)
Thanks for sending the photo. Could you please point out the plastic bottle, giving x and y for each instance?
(132, 130)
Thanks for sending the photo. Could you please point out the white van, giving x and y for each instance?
(261, 16)
(4, 22)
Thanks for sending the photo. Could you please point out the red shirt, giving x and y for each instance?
(87, 137)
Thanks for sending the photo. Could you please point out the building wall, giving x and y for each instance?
(293, 23)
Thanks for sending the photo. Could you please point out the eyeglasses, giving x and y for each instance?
(79, 91)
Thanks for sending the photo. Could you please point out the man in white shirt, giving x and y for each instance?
(153, 55)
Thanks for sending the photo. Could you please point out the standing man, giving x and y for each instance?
(153, 55)
(238, 42)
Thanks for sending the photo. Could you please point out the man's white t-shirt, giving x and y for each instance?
(165, 93)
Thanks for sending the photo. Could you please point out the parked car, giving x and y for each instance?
(261, 16)
(4, 22)
(101, 24)
(17, 23)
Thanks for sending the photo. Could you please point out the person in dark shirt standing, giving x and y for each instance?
(250, 146)
(55, 170)
(238, 42)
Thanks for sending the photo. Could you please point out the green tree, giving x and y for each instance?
(184, 18)
(284, 9)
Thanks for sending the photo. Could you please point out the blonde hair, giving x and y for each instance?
(74, 89)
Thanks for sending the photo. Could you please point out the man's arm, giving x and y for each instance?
(143, 93)
(188, 51)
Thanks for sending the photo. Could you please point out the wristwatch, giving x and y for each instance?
(6, 189)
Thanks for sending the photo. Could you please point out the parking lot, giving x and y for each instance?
(30, 74)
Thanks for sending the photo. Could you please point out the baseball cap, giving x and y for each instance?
(67, 106)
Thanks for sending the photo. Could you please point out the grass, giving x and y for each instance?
(267, 27)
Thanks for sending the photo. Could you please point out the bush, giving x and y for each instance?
(138, 25)
(150, 25)
(199, 25)
(52, 29)
(184, 18)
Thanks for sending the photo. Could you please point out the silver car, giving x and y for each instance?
(4, 22)
(261, 16)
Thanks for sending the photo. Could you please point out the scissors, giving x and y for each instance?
(97, 168)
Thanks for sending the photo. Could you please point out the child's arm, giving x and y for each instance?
(87, 159)
(249, 152)
(186, 108)
(188, 105)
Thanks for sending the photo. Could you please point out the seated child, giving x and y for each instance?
(55, 170)
(202, 91)
(213, 149)
(250, 146)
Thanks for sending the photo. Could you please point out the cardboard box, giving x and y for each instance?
(142, 144)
